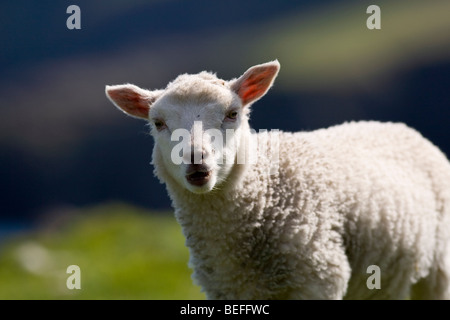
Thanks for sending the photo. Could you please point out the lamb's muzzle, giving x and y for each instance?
(198, 174)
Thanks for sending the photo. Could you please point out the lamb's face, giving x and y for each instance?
(197, 125)
(198, 121)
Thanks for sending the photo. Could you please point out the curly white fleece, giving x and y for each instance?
(344, 198)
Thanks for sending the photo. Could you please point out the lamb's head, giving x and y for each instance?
(198, 122)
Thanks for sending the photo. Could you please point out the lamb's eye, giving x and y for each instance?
(159, 124)
(232, 115)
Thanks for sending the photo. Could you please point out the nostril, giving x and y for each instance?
(197, 157)
(205, 154)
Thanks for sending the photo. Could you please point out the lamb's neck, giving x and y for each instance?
(208, 208)
(224, 204)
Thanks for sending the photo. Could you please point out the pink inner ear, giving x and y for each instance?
(130, 101)
(256, 84)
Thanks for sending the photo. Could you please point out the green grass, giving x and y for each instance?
(122, 252)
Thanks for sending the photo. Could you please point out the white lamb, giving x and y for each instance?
(342, 200)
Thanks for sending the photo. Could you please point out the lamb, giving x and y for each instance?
(342, 199)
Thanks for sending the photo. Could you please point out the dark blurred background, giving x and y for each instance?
(63, 145)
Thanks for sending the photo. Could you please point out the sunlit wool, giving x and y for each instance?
(341, 200)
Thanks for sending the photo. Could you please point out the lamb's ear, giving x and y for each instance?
(255, 82)
(132, 100)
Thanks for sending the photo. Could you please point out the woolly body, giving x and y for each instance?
(342, 199)
(345, 198)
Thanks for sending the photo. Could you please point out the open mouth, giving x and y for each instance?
(198, 175)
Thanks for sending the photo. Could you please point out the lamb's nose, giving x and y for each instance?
(197, 156)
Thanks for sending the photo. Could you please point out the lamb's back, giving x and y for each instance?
(390, 187)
